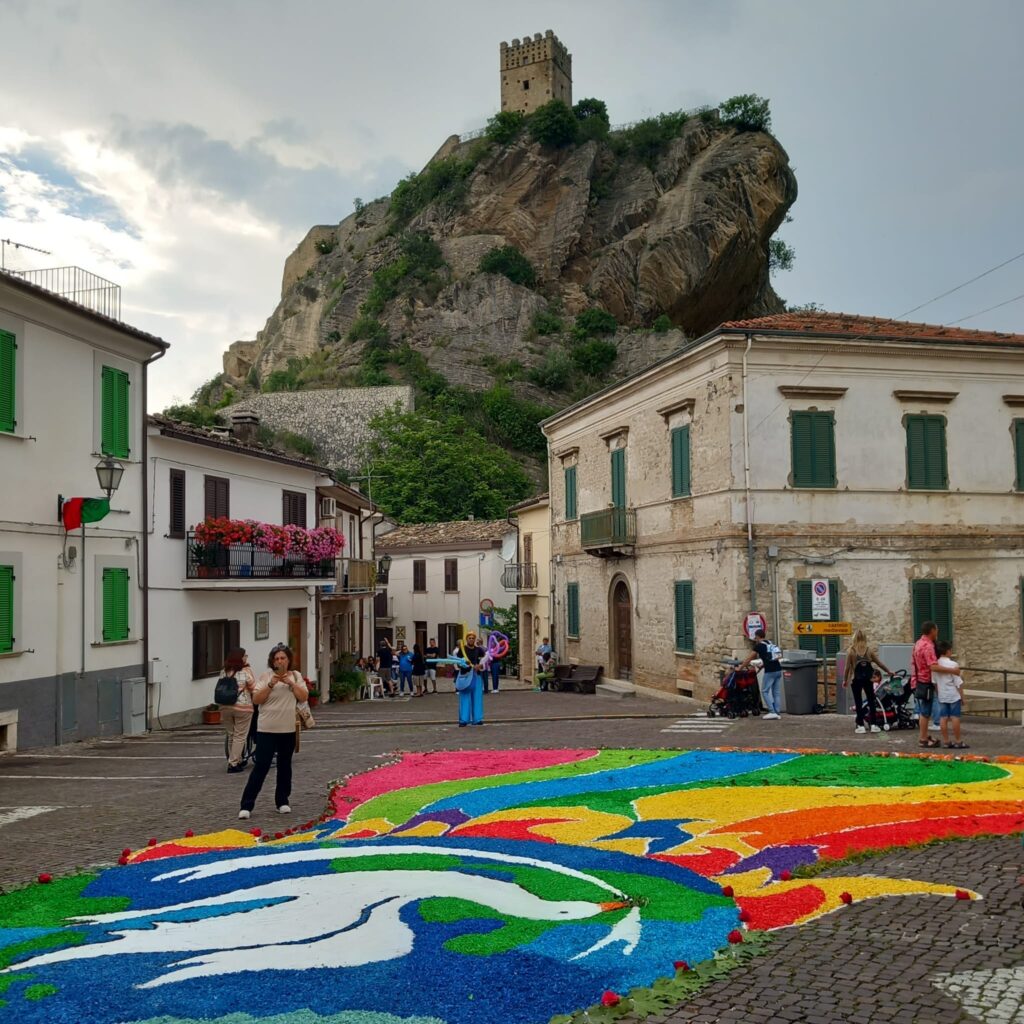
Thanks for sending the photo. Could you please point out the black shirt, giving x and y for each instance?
(432, 652)
(386, 657)
(770, 664)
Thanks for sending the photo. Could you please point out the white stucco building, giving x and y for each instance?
(528, 578)
(885, 459)
(440, 572)
(202, 603)
(72, 634)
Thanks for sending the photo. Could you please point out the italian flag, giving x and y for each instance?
(76, 511)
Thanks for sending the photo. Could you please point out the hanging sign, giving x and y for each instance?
(821, 606)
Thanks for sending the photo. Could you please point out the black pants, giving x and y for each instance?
(267, 745)
(863, 697)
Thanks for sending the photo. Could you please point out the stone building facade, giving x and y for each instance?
(885, 458)
(535, 71)
(529, 578)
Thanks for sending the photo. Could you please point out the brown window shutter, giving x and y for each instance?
(177, 513)
(232, 636)
(451, 574)
(198, 628)
(216, 497)
(293, 508)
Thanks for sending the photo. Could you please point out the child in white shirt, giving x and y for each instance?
(949, 686)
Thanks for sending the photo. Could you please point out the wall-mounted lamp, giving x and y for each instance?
(109, 472)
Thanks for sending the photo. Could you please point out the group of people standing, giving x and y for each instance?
(400, 670)
(269, 703)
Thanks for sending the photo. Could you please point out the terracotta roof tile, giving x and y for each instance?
(465, 531)
(868, 327)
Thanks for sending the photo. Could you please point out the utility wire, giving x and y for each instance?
(989, 309)
(991, 270)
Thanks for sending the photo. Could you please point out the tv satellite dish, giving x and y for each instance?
(509, 546)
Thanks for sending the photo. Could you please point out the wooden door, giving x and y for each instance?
(622, 619)
(297, 636)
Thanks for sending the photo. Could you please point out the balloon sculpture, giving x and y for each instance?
(497, 648)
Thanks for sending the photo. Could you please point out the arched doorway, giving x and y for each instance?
(622, 631)
(526, 645)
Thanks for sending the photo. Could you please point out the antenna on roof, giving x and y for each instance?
(4, 242)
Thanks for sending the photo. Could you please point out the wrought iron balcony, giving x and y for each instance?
(356, 576)
(519, 576)
(609, 531)
(247, 561)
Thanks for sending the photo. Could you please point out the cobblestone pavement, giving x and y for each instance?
(915, 960)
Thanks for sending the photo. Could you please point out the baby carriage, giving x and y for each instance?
(739, 694)
(891, 708)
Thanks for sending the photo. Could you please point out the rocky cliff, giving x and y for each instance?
(685, 235)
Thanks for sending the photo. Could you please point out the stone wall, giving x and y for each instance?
(334, 420)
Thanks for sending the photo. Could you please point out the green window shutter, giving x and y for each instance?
(115, 605)
(115, 416)
(813, 440)
(572, 602)
(932, 601)
(684, 616)
(823, 646)
(1018, 449)
(6, 608)
(681, 462)
(619, 478)
(926, 453)
(8, 350)
(570, 492)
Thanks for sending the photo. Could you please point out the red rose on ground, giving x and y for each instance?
(611, 998)
(152, 842)
(735, 936)
(44, 878)
(846, 897)
(126, 852)
(189, 834)
(279, 835)
(681, 965)
(786, 875)
(962, 894)
(122, 860)
(744, 915)
(255, 831)
(726, 890)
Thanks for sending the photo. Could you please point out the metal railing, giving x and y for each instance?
(246, 561)
(78, 285)
(1003, 675)
(611, 527)
(356, 576)
(519, 576)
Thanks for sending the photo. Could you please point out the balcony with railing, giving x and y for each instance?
(249, 562)
(355, 576)
(78, 285)
(609, 532)
(519, 576)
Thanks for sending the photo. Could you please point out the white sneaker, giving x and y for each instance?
(860, 729)
(243, 815)
(284, 809)
(771, 715)
(875, 728)
(935, 727)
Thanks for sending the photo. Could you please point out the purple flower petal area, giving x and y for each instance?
(778, 858)
(450, 817)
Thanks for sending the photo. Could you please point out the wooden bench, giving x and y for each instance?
(998, 695)
(576, 678)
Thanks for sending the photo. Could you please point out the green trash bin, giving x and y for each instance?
(799, 683)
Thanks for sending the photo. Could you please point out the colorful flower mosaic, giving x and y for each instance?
(504, 885)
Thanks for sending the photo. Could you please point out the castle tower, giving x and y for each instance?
(534, 72)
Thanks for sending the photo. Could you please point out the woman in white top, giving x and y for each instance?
(276, 694)
(237, 717)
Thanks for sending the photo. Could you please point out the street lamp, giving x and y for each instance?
(383, 568)
(109, 472)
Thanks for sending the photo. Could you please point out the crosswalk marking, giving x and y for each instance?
(8, 815)
(699, 723)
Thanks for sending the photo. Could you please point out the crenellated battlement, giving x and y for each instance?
(534, 70)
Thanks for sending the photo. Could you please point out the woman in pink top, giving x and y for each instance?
(276, 694)
(238, 716)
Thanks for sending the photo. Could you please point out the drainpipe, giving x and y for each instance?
(746, 480)
(145, 534)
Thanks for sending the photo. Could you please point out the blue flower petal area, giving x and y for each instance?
(693, 766)
(10, 936)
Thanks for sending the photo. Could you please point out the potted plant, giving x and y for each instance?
(314, 692)
(205, 556)
(346, 684)
(211, 714)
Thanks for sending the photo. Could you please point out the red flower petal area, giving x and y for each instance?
(714, 862)
(175, 850)
(520, 829)
(423, 769)
(838, 845)
(781, 908)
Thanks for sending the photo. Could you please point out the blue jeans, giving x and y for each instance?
(471, 702)
(495, 673)
(771, 691)
(403, 678)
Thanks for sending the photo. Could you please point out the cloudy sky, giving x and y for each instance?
(182, 149)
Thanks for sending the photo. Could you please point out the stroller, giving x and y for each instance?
(739, 695)
(891, 706)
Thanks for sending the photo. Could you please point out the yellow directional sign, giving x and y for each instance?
(823, 628)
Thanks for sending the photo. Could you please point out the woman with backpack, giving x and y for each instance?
(236, 681)
(771, 680)
(861, 659)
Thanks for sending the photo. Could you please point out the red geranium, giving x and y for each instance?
(611, 998)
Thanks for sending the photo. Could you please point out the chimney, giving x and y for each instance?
(245, 426)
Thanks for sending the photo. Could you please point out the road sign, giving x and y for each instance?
(821, 606)
(487, 606)
(752, 623)
(823, 628)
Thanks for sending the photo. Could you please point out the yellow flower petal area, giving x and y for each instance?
(379, 826)
(584, 827)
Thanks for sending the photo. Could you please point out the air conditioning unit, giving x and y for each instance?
(328, 508)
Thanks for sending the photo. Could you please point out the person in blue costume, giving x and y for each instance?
(471, 691)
